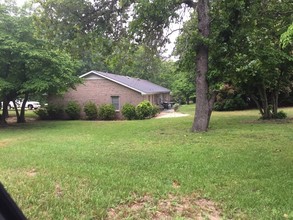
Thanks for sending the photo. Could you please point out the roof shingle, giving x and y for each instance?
(140, 85)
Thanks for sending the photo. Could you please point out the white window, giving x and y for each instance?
(115, 102)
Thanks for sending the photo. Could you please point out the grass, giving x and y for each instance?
(80, 169)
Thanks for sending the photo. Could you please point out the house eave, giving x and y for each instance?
(127, 86)
(156, 93)
(101, 75)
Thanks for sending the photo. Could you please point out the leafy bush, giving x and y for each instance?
(280, 115)
(176, 107)
(42, 113)
(144, 110)
(55, 111)
(91, 111)
(155, 111)
(128, 111)
(106, 112)
(73, 110)
(230, 102)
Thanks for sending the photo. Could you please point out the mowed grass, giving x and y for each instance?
(80, 169)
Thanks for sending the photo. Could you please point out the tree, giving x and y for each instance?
(245, 49)
(228, 40)
(204, 102)
(147, 26)
(88, 30)
(96, 33)
(259, 67)
(134, 60)
(151, 20)
(27, 66)
(183, 87)
(287, 37)
(140, 61)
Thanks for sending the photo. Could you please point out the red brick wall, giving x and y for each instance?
(100, 91)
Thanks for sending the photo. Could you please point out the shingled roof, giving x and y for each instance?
(139, 85)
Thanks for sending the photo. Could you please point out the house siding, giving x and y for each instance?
(100, 91)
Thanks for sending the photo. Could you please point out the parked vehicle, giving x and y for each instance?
(11, 105)
(29, 104)
(32, 105)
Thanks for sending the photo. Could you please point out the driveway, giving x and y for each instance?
(170, 113)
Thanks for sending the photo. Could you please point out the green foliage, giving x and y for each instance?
(91, 111)
(186, 45)
(106, 112)
(280, 115)
(156, 110)
(128, 111)
(228, 99)
(144, 110)
(183, 87)
(259, 67)
(50, 112)
(106, 45)
(87, 30)
(287, 37)
(244, 47)
(152, 18)
(42, 113)
(55, 111)
(141, 62)
(230, 104)
(73, 110)
(176, 107)
(28, 65)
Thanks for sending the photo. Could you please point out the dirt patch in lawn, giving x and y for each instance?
(13, 120)
(31, 173)
(172, 207)
(5, 142)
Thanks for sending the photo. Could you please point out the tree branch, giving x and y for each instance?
(178, 29)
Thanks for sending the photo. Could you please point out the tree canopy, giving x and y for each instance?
(250, 55)
(244, 43)
(27, 65)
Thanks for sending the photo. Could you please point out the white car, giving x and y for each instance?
(32, 105)
(29, 104)
(10, 105)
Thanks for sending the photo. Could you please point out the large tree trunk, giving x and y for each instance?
(4, 112)
(256, 101)
(267, 114)
(21, 117)
(268, 108)
(203, 104)
(275, 102)
(16, 109)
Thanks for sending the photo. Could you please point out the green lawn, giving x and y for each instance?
(80, 169)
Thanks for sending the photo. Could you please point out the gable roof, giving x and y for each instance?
(139, 85)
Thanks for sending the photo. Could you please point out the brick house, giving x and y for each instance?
(107, 88)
